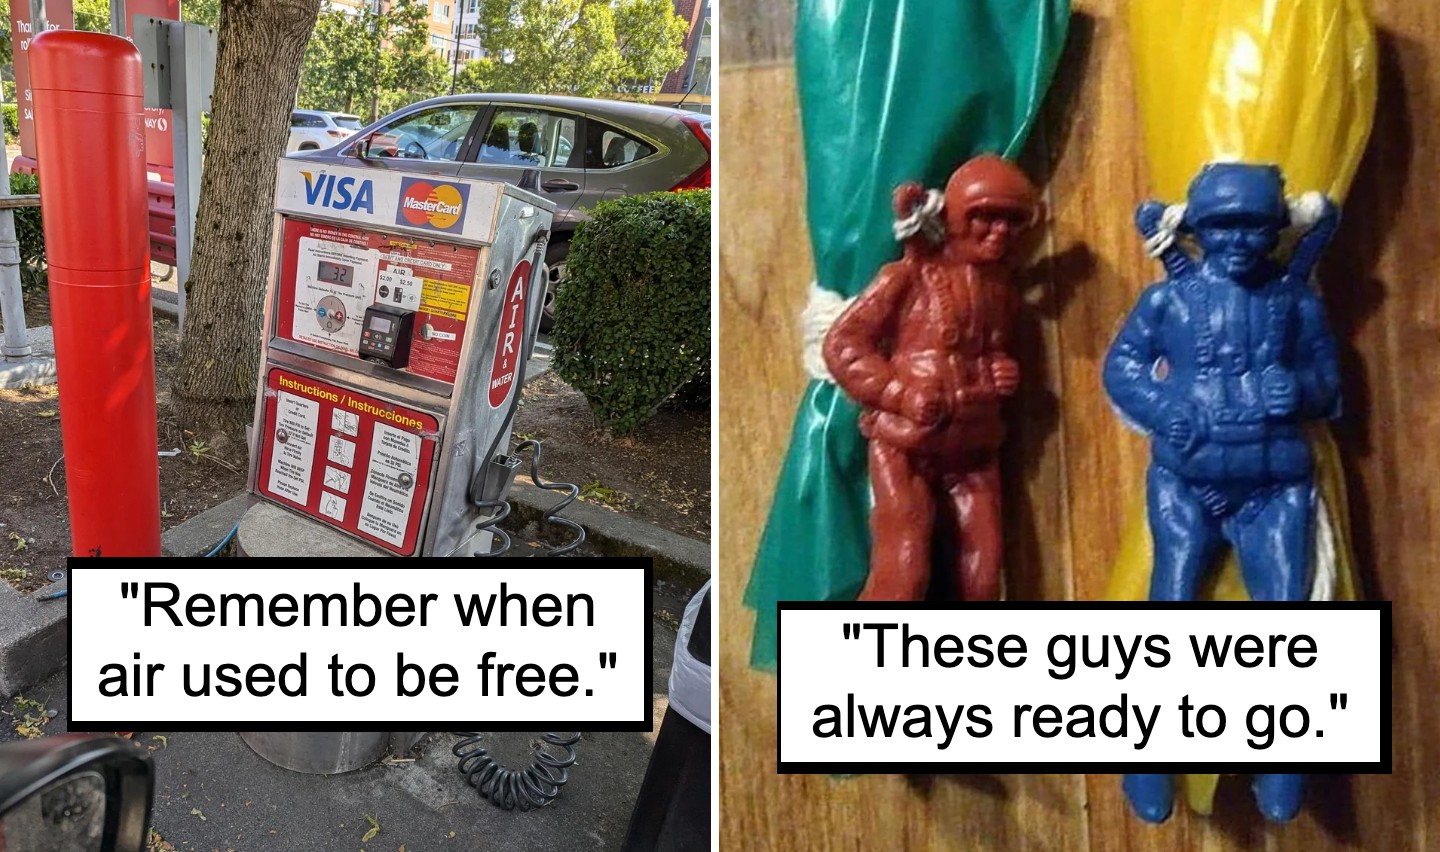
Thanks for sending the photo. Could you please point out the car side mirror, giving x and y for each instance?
(361, 148)
(75, 793)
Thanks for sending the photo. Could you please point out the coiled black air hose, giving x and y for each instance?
(551, 515)
(527, 789)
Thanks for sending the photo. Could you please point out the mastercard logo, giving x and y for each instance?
(432, 205)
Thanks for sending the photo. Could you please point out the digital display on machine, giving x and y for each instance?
(336, 273)
(381, 324)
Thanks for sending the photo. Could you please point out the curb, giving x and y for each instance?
(34, 639)
(198, 536)
(682, 561)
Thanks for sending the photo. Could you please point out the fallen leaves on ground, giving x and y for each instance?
(597, 493)
(29, 724)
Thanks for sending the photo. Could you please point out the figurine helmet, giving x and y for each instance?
(1237, 189)
(991, 182)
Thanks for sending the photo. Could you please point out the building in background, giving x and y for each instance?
(465, 34)
(442, 25)
(689, 86)
(439, 16)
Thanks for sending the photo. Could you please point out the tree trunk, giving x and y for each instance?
(257, 68)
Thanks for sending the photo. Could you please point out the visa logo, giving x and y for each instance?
(347, 193)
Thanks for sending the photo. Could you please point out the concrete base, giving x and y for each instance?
(38, 368)
(327, 752)
(33, 637)
(268, 530)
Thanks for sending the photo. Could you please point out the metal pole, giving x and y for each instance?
(16, 343)
(187, 54)
(12, 301)
(459, 12)
(117, 18)
(38, 21)
(375, 89)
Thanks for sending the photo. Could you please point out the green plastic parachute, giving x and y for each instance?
(890, 91)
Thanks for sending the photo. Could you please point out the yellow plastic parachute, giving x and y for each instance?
(1290, 82)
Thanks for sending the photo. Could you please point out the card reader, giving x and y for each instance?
(385, 335)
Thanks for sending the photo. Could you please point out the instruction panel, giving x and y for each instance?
(350, 460)
(331, 274)
(295, 445)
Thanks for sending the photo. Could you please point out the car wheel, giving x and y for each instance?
(309, 146)
(555, 267)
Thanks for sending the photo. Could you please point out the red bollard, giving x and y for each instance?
(90, 143)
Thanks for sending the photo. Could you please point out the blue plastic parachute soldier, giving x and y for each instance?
(1221, 364)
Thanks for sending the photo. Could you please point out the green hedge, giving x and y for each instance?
(30, 233)
(633, 319)
(12, 121)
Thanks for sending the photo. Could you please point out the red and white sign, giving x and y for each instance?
(59, 16)
(510, 342)
(159, 144)
(159, 150)
(347, 459)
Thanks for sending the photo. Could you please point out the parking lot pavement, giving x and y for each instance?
(214, 793)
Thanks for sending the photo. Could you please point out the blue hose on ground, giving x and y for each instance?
(224, 541)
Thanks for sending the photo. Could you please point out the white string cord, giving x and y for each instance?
(925, 217)
(1306, 210)
(1170, 221)
(821, 312)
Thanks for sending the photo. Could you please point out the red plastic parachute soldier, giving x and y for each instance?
(924, 352)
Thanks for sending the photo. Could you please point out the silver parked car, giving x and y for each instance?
(575, 151)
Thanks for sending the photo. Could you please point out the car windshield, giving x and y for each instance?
(434, 134)
(349, 122)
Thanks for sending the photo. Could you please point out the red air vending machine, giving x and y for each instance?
(400, 312)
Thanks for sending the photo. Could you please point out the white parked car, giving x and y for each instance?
(312, 129)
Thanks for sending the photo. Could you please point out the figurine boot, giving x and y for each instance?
(1151, 796)
(1279, 795)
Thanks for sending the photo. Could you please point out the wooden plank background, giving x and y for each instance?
(1071, 469)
